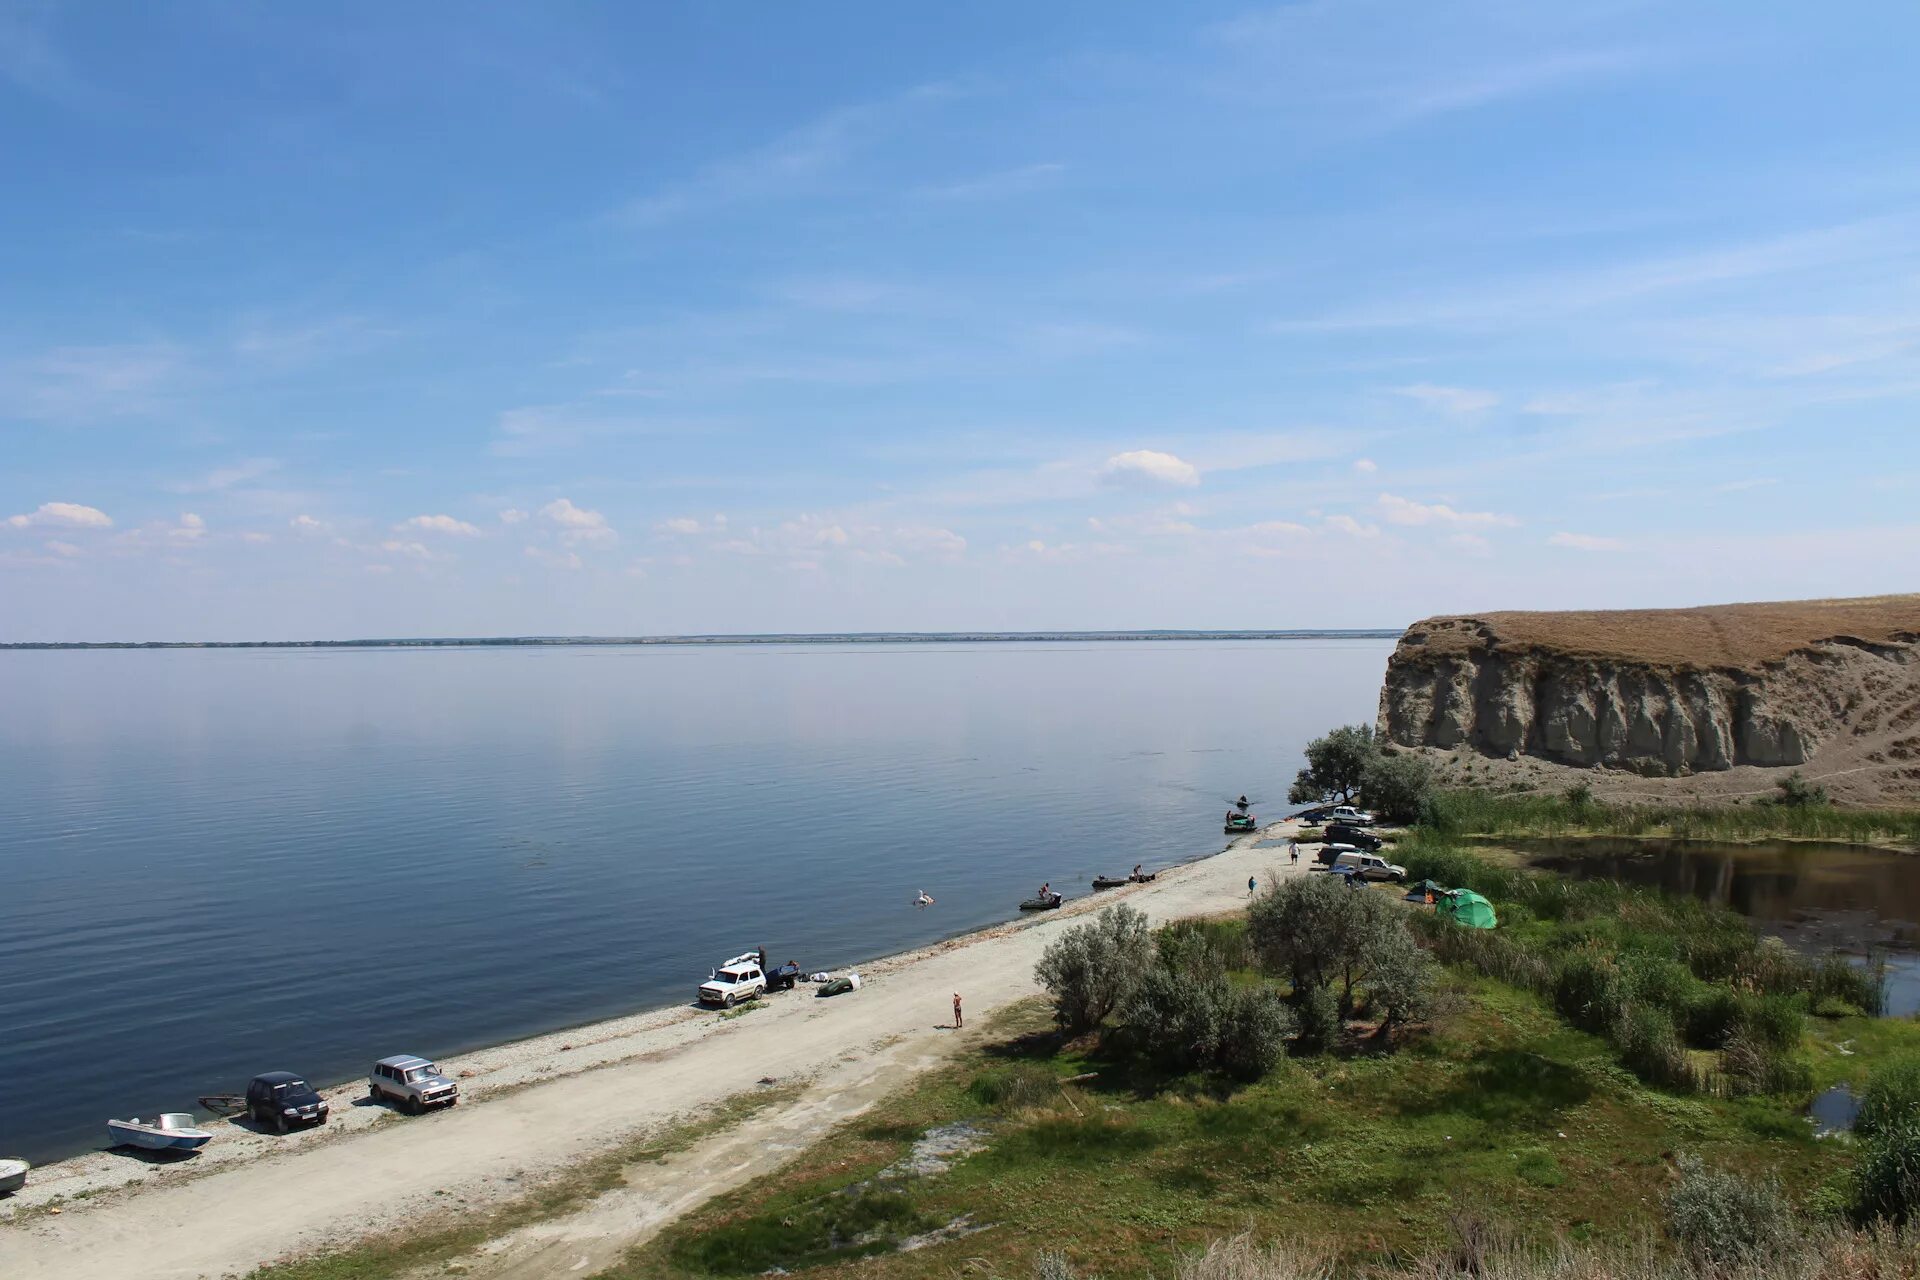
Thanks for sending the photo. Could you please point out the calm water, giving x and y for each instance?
(214, 863)
(1818, 897)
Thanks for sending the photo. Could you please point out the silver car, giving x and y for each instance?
(410, 1083)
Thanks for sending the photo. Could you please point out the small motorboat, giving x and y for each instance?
(1110, 882)
(171, 1131)
(1048, 903)
(1241, 822)
(839, 986)
(13, 1176)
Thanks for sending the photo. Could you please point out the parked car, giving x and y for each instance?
(1330, 853)
(413, 1084)
(1349, 815)
(1370, 866)
(280, 1100)
(740, 978)
(1358, 837)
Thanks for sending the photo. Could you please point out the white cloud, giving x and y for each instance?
(556, 559)
(256, 537)
(1351, 527)
(63, 515)
(190, 529)
(512, 515)
(60, 548)
(1586, 542)
(413, 550)
(578, 524)
(686, 526)
(1458, 400)
(307, 524)
(1150, 466)
(439, 524)
(1365, 466)
(1398, 510)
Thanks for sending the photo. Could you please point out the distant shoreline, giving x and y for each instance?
(849, 637)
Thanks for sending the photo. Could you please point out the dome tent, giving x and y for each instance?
(1468, 908)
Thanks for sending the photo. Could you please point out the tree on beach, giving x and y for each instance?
(1092, 969)
(1336, 765)
(1397, 787)
(1325, 937)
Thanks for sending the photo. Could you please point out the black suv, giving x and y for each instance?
(1358, 837)
(281, 1100)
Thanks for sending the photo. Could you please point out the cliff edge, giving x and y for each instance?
(1670, 691)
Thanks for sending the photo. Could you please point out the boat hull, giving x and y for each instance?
(13, 1176)
(122, 1134)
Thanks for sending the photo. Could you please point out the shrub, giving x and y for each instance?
(1654, 979)
(1721, 1218)
(1399, 787)
(1586, 989)
(1254, 1028)
(1775, 1020)
(1651, 1048)
(1889, 1175)
(1400, 986)
(1053, 1265)
(1174, 1018)
(1861, 985)
(1092, 968)
(1711, 1017)
(1202, 947)
(1795, 792)
(1755, 1065)
(1579, 796)
(1891, 1097)
(1318, 1014)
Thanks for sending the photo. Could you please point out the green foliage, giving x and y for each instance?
(830, 1228)
(1720, 1218)
(1336, 765)
(1756, 1065)
(1399, 787)
(1186, 1016)
(1472, 810)
(1318, 1016)
(1797, 793)
(1205, 946)
(1890, 1097)
(1092, 968)
(1650, 1047)
(1016, 1087)
(1321, 933)
(1888, 1177)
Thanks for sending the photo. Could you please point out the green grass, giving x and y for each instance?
(1479, 811)
(440, 1243)
(1500, 1109)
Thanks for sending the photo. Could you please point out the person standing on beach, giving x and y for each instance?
(1251, 885)
(957, 1023)
(1293, 853)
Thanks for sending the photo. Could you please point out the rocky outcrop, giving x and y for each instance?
(1507, 684)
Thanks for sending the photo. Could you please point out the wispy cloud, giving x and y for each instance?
(224, 478)
(1150, 467)
(1397, 510)
(1586, 542)
(996, 186)
(788, 163)
(438, 524)
(80, 385)
(1457, 400)
(62, 515)
(578, 524)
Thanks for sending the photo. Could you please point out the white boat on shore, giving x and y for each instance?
(13, 1176)
(172, 1131)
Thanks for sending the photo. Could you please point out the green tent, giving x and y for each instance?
(1468, 908)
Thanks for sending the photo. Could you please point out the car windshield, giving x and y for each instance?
(419, 1074)
(291, 1086)
(732, 975)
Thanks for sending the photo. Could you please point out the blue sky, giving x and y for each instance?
(475, 319)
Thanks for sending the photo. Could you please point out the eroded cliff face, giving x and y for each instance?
(1455, 682)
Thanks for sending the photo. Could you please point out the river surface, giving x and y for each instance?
(220, 862)
(1816, 897)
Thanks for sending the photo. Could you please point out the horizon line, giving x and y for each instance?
(719, 638)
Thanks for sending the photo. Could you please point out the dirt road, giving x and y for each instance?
(539, 1106)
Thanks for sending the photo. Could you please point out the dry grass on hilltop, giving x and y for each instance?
(1725, 636)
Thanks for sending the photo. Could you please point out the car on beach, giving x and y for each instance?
(1359, 838)
(1349, 815)
(280, 1100)
(1369, 866)
(411, 1083)
(740, 978)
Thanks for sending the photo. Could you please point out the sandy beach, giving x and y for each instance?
(536, 1107)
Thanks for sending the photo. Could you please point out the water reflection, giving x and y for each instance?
(1816, 897)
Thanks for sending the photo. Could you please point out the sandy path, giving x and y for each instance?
(534, 1108)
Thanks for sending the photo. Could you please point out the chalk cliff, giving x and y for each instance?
(1664, 691)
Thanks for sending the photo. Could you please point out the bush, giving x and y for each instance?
(1797, 793)
(1721, 1218)
(1889, 1175)
(1254, 1028)
(1586, 989)
(1775, 1020)
(1318, 1015)
(1650, 1047)
(1399, 787)
(1755, 1065)
(1400, 987)
(1891, 1097)
(1174, 1018)
(1092, 968)
(1862, 986)
(1201, 947)
(1711, 1017)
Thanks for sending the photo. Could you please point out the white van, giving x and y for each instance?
(1371, 866)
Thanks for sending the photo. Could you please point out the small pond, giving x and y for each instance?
(1815, 897)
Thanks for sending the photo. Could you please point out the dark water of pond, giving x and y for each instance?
(1815, 897)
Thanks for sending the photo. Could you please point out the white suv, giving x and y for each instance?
(1351, 816)
(738, 979)
(413, 1084)
(1370, 866)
